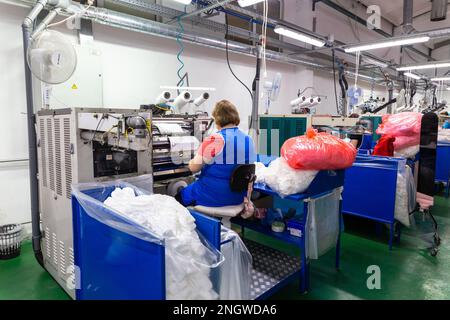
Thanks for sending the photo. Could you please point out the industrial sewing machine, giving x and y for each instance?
(78, 145)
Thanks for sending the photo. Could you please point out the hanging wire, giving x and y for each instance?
(180, 52)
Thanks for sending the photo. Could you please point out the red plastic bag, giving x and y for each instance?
(318, 151)
(385, 146)
(401, 124)
(402, 142)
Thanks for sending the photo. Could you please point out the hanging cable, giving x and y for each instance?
(334, 78)
(228, 58)
(358, 56)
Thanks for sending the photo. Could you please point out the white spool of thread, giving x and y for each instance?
(306, 103)
(298, 100)
(199, 100)
(182, 100)
(163, 97)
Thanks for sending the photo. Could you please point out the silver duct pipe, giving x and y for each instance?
(408, 16)
(439, 10)
(133, 23)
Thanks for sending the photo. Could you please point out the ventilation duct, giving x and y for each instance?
(408, 16)
(439, 10)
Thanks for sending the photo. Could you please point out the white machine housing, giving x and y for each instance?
(66, 156)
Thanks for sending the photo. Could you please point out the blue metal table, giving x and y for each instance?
(324, 183)
(370, 189)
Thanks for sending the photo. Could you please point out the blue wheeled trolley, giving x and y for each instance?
(324, 183)
(443, 165)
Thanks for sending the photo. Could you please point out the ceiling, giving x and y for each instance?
(393, 10)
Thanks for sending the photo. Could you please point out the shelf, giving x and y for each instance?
(257, 226)
(271, 269)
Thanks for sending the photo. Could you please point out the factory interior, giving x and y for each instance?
(225, 150)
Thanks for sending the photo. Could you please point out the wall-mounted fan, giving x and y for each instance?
(354, 94)
(51, 57)
(272, 90)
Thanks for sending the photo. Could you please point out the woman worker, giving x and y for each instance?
(217, 157)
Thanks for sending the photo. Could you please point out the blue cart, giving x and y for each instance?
(443, 165)
(324, 184)
(370, 189)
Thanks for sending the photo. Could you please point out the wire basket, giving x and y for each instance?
(10, 241)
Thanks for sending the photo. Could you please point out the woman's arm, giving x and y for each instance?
(196, 163)
(209, 148)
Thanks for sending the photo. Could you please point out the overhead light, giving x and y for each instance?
(430, 65)
(387, 44)
(299, 36)
(412, 75)
(448, 88)
(185, 2)
(441, 79)
(246, 3)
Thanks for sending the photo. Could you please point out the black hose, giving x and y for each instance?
(228, 58)
(32, 154)
(334, 78)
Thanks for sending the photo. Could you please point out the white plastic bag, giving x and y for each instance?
(283, 179)
(323, 224)
(235, 272)
(405, 198)
(408, 152)
(444, 135)
(189, 257)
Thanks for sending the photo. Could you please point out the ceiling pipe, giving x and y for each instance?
(130, 22)
(214, 26)
(408, 7)
(438, 10)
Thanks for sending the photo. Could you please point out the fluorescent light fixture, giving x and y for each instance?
(412, 75)
(441, 79)
(185, 2)
(431, 65)
(387, 44)
(299, 36)
(448, 88)
(246, 3)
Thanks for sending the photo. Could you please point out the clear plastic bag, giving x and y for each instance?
(323, 224)
(408, 152)
(318, 151)
(401, 124)
(189, 258)
(402, 142)
(235, 272)
(283, 179)
(405, 196)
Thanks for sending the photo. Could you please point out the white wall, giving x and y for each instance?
(14, 187)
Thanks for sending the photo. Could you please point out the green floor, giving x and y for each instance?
(407, 272)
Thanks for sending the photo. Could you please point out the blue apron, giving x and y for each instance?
(212, 189)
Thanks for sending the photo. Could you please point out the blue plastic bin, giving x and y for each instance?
(113, 264)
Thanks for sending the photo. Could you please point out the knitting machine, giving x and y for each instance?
(175, 140)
